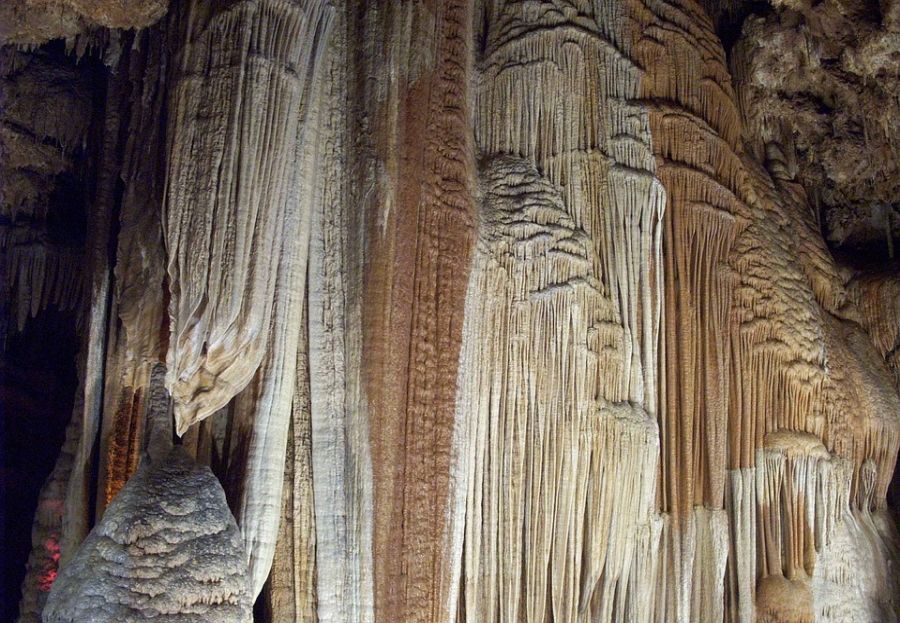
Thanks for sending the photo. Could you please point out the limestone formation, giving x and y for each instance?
(246, 75)
(820, 82)
(41, 265)
(477, 310)
(167, 549)
(32, 22)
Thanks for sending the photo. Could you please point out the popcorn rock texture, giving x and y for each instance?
(167, 549)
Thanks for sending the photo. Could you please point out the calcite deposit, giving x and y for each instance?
(167, 549)
(495, 311)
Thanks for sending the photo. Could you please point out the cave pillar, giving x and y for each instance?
(242, 138)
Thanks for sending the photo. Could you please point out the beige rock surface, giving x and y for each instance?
(492, 310)
(32, 22)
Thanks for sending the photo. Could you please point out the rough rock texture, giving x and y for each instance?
(341, 475)
(31, 22)
(496, 310)
(167, 549)
(559, 373)
(241, 149)
(419, 226)
(135, 342)
(877, 294)
(45, 116)
(819, 84)
(233, 132)
(43, 562)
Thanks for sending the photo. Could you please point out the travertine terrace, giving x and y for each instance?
(450, 311)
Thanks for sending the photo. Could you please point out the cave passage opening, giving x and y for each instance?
(38, 381)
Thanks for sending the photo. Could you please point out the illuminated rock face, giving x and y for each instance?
(484, 310)
(32, 22)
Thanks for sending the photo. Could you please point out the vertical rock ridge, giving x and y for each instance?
(77, 514)
(137, 332)
(339, 426)
(695, 131)
(479, 310)
(878, 299)
(559, 372)
(291, 592)
(419, 227)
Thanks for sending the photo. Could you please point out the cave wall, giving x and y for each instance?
(478, 310)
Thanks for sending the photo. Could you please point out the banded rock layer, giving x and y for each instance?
(481, 310)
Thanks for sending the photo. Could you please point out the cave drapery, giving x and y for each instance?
(457, 310)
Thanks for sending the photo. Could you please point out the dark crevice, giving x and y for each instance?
(37, 388)
(729, 19)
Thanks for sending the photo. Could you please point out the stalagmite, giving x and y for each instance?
(43, 561)
(167, 549)
(170, 530)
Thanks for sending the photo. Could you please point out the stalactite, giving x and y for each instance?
(263, 409)
(854, 580)
(861, 409)
(38, 275)
(341, 461)
(45, 114)
(136, 336)
(559, 371)
(800, 364)
(244, 78)
(743, 544)
(878, 299)
(695, 129)
(802, 492)
(813, 95)
(480, 310)
(550, 460)
(291, 594)
(241, 175)
(76, 517)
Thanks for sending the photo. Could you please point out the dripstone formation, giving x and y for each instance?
(167, 549)
(483, 311)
